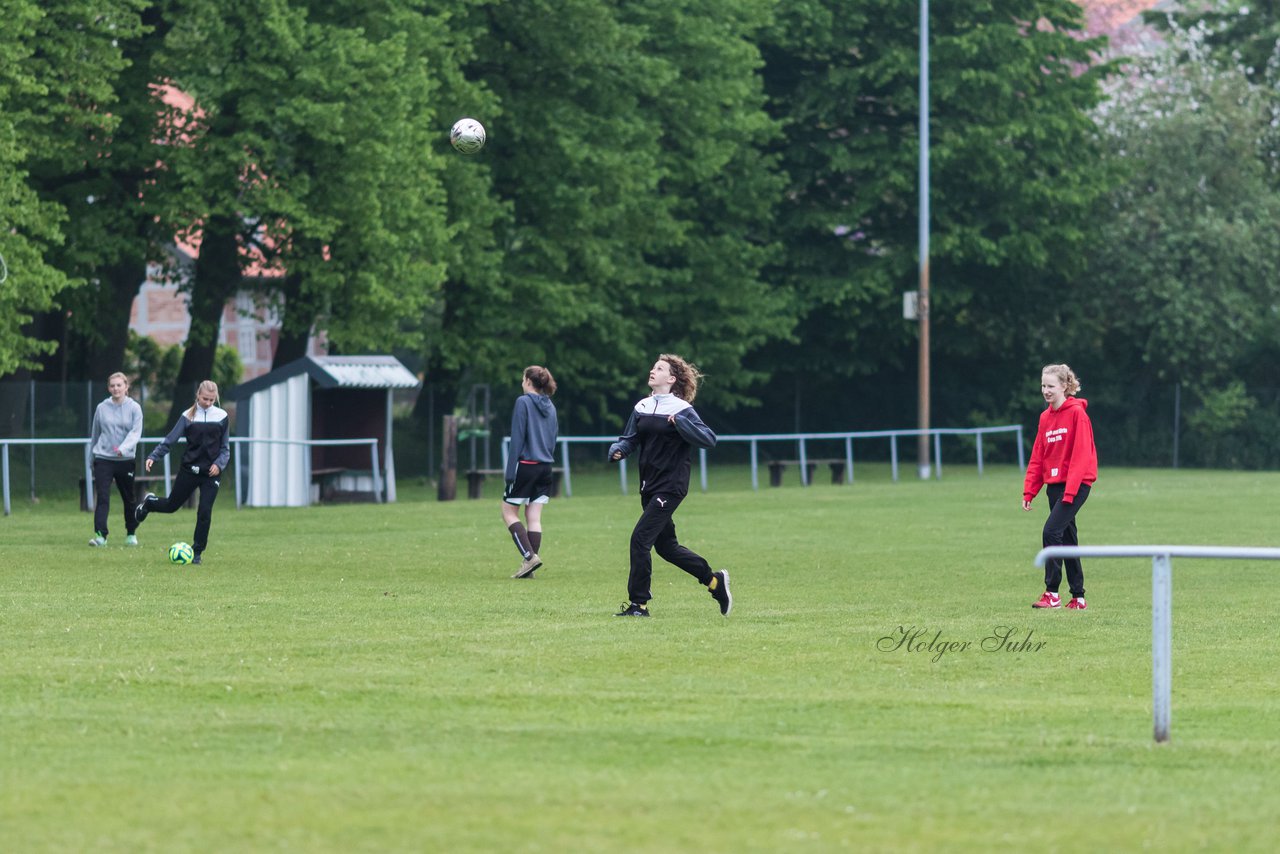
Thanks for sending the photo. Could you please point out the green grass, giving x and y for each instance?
(368, 678)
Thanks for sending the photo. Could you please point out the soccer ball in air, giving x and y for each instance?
(467, 135)
(181, 553)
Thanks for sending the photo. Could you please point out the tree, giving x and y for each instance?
(635, 201)
(1013, 181)
(99, 173)
(56, 105)
(307, 153)
(1186, 279)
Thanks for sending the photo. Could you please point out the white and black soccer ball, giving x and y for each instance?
(467, 136)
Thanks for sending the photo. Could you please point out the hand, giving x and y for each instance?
(671, 419)
(617, 455)
(148, 463)
(214, 471)
(1026, 505)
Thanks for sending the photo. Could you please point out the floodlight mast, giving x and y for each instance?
(922, 447)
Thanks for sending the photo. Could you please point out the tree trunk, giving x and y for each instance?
(216, 278)
(447, 490)
(106, 355)
(292, 342)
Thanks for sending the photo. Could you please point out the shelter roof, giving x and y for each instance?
(335, 372)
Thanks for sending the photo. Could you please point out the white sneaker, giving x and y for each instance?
(98, 540)
(131, 540)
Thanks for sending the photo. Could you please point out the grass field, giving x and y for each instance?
(368, 678)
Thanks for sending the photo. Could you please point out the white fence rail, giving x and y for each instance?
(168, 477)
(1161, 606)
(801, 442)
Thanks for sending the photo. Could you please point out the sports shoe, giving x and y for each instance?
(1048, 600)
(1077, 603)
(527, 566)
(719, 590)
(195, 560)
(632, 610)
(98, 540)
(131, 540)
(140, 512)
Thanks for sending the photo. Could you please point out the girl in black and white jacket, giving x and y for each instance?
(207, 429)
(663, 429)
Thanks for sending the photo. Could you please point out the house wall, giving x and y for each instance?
(160, 312)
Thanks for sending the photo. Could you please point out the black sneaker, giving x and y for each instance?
(195, 560)
(140, 512)
(632, 610)
(719, 590)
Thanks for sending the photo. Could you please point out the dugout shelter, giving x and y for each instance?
(287, 418)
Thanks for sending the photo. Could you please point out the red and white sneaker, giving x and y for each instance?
(1077, 603)
(1048, 600)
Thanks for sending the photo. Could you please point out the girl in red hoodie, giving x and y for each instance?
(1063, 459)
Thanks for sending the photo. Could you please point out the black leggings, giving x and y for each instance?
(106, 472)
(656, 530)
(1060, 530)
(183, 485)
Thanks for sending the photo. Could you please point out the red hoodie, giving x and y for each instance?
(1063, 451)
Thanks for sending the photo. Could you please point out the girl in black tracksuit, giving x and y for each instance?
(207, 429)
(664, 428)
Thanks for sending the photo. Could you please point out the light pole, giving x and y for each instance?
(922, 447)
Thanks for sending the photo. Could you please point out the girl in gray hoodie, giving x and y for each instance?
(117, 427)
(528, 472)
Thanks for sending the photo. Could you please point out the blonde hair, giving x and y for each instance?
(1066, 376)
(207, 385)
(122, 376)
(686, 376)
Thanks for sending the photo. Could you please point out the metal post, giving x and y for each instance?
(564, 457)
(377, 477)
(4, 464)
(979, 453)
(937, 454)
(848, 459)
(755, 460)
(804, 464)
(702, 466)
(893, 455)
(1161, 644)
(923, 214)
(622, 475)
(1021, 456)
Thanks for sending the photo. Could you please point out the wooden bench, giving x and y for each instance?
(327, 479)
(476, 479)
(142, 484)
(777, 467)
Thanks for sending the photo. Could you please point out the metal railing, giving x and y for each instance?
(802, 441)
(165, 462)
(1161, 606)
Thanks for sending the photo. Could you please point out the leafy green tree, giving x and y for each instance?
(1013, 180)
(56, 104)
(308, 151)
(1185, 279)
(635, 201)
(98, 171)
